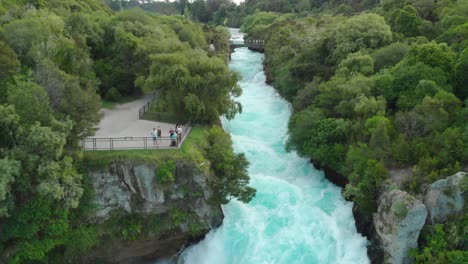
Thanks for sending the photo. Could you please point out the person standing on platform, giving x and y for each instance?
(159, 134)
(154, 134)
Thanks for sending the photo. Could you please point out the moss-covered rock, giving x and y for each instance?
(398, 222)
(446, 197)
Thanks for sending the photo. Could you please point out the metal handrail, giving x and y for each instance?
(123, 143)
(118, 143)
(142, 110)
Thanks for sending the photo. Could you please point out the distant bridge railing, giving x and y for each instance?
(255, 44)
(252, 44)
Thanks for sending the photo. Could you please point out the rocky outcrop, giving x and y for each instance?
(331, 175)
(131, 188)
(446, 197)
(398, 221)
(390, 234)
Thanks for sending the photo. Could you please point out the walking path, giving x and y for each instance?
(121, 128)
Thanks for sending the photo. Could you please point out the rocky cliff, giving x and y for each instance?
(400, 216)
(445, 197)
(143, 216)
(391, 235)
(398, 222)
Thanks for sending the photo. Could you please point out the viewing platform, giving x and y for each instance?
(125, 127)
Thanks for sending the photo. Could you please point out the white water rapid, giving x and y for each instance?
(297, 216)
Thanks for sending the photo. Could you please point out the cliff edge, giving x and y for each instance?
(148, 210)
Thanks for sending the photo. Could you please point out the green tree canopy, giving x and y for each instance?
(359, 32)
(195, 85)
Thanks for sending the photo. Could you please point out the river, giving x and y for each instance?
(297, 216)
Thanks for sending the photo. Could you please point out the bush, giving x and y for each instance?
(131, 227)
(400, 210)
(177, 217)
(165, 173)
(113, 95)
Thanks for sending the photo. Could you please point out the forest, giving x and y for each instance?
(59, 60)
(377, 87)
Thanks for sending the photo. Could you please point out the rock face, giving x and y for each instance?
(446, 197)
(398, 221)
(131, 188)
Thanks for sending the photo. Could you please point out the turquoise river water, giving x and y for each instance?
(297, 216)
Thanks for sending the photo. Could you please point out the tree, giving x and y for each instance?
(9, 169)
(31, 102)
(260, 20)
(424, 88)
(433, 54)
(405, 78)
(369, 106)
(325, 143)
(23, 34)
(231, 179)
(366, 177)
(359, 32)
(461, 78)
(389, 56)
(456, 37)
(194, 85)
(424, 7)
(436, 112)
(338, 97)
(9, 62)
(406, 21)
(378, 127)
(199, 11)
(9, 122)
(356, 63)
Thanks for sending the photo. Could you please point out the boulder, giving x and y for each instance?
(398, 222)
(445, 197)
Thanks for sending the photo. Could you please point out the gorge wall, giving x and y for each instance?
(142, 216)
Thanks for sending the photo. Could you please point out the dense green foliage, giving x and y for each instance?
(58, 58)
(166, 171)
(226, 12)
(231, 179)
(374, 92)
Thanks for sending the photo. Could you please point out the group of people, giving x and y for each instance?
(174, 134)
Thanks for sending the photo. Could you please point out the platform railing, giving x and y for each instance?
(125, 143)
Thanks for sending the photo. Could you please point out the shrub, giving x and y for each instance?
(113, 95)
(166, 171)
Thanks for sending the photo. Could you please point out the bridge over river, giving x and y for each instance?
(252, 44)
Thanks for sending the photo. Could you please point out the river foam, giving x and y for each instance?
(297, 216)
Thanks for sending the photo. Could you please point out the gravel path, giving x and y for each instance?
(123, 121)
(120, 128)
